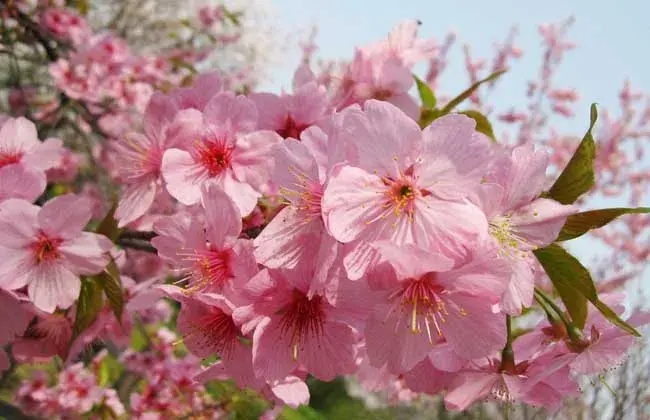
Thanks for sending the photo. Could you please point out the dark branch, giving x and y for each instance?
(143, 236)
(136, 244)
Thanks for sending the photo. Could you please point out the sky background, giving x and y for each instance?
(612, 45)
(612, 38)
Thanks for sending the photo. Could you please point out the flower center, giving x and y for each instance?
(141, 161)
(217, 330)
(302, 317)
(214, 155)
(291, 129)
(305, 195)
(512, 244)
(424, 300)
(46, 248)
(8, 158)
(210, 269)
(400, 196)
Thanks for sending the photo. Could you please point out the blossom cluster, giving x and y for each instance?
(341, 228)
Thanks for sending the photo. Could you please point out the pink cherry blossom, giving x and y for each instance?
(293, 330)
(16, 314)
(197, 96)
(139, 157)
(383, 71)
(542, 381)
(209, 253)
(49, 335)
(290, 114)
(428, 300)
(207, 327)
(226, 151)
(295, 233)
(520, 221)
(46, 250)
(66, 24)
(19, 143)
(404, 185)
(18, 181)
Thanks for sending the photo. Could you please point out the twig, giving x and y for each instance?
(136, 244)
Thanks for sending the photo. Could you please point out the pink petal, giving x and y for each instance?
(88, 253)
(468, 388)
(14, 315)
(521, 288)
(302, 76)
(330, 354)
(135, 202)
(160, 111)
(352, 198)
(172, 231)
(447, 227)
(271, 109)
(488, 197)
(411, 261)
(16, 266)
(606, 353)
(272, 350)
(386, 140)
(46, 155)
(18, 135)
(406, 104)
(316, 141)
(291, 390)
(180, 173)
(17, 181)
(527, 176)
(231, 113)
(203, 88)
(453, 158)
(294, 163)
(53, 285)
(250, 158)
(287, 240)
(485, 273)
(243, 195)
(65, 216)
(186, 127)
(221, 215)
(18, 223)
(444, 357)
(359, 258)
(308, 104)
(424, 377)
(390, 340)
(471, 327)
(541, 221)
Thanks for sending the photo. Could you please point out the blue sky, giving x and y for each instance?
(611, 36)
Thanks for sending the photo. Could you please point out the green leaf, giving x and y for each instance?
(469, 91)
(108, 226)
(88, 305)
(578, 224)
(578, 176)
(482, 123)
(301, 413)
(82, 6)
(571, 279)
(426, 94)
(109, 371)
(110, 282)
(427, 116)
